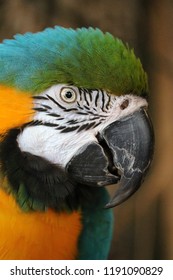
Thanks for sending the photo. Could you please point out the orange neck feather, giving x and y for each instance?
(37, 235)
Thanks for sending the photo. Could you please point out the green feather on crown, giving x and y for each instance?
(84, 57)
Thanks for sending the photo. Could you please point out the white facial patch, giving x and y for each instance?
(68, 117)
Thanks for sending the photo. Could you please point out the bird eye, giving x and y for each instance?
(68, 94)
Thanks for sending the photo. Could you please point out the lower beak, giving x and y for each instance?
(124, 147)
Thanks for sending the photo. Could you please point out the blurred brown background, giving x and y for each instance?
(143, 224)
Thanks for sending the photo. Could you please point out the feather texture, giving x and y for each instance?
(36, 235)
(16, 108)
(83, 57)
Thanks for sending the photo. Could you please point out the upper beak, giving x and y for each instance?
(126, 146)
(131, 141)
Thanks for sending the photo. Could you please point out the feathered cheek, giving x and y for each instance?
(16, 108)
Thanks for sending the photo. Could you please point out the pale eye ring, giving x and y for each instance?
(68, 94)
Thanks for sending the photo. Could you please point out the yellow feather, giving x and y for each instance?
(16, 108)
(37, 235)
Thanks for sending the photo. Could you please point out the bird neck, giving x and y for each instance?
(97, 226)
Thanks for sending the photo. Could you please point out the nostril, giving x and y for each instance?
(124, 104)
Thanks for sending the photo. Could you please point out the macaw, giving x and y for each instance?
(73, 120)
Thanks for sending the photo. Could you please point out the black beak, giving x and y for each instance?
(125, 146)
(131, 141)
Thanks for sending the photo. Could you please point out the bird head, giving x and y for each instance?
(74, 113)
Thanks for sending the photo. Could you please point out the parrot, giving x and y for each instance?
(73, 121)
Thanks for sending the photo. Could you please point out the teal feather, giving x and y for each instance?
(97, 226)
(84, 57)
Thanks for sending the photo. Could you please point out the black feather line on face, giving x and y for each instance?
(54, 101)
(46, 106)
(50, 124)
(69, 129)
(40, 97)
(82, 113)
(108, 102)
(78, 105)
(96, 99)
(103, 101)
(86, 107)
(53, 115)
(74, 122)
(38, 123)
(40, 109)
(83, 127)
(71, 109)
(90, 125)
(86, 100)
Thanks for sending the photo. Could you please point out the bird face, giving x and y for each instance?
(95, 137)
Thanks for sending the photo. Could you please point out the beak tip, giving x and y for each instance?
(109, 205)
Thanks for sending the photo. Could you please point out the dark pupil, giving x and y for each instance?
(68, 94)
